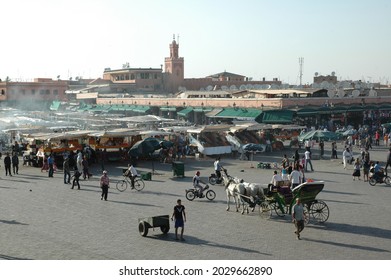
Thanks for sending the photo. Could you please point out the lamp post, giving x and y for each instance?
(202, 113)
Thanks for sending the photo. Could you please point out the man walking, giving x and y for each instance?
(298, 216)
(67, 171)
(15, 163)
(104, 184)
(180, 218)
(307, 155)
(51, 165)
(7, 164)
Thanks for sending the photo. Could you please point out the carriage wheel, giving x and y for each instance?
(190, 195)
(280, 211)
(265, 211)
(143, 228)
(210, 195)
(306, 215)
(165, 228)
(121, 185)
(319, 211)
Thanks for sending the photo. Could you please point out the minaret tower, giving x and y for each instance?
(174, 67)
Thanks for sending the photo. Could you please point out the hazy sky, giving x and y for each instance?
(254, 38)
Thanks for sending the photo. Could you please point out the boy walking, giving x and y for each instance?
(180, 218)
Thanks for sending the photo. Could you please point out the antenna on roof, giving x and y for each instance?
(301, 62)
(177, 38)
(173, 37)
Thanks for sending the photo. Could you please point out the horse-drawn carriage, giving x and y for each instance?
(281, 200)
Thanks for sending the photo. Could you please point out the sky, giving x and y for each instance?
(253, 38)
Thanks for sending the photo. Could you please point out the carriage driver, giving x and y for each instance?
(196, 183)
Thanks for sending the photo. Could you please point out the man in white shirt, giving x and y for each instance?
(275, 179)
(295, 178)
(307, 155)
(132, 174)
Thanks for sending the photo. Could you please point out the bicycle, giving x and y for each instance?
(122, 185)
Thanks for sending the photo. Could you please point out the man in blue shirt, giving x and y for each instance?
(51, 165)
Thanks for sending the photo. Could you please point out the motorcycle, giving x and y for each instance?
(194, 192)
(213, 179)
(380, 179)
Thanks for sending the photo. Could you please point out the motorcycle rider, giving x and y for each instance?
(196, 183)
(218, 169)
(378, 172)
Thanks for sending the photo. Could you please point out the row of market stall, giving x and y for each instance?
(122, 143)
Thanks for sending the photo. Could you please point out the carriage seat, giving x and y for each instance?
(285, 183)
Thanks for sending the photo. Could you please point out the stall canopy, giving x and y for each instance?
(275, 117)
(185, 111)
(168, 109)
(239, 113)
(319, 135)
(55, 105)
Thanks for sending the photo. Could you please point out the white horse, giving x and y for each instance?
(254, 191)
(235, 190)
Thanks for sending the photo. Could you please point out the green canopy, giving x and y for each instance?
(319, 135)
(275, 117)
(168, 109)
(141, 109)
(55, 105)
(185, 111)
(238, 113)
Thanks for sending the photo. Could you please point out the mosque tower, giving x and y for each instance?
(174, 68)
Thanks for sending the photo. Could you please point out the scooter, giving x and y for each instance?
(213, 179)
(381, 178)
(191, 194)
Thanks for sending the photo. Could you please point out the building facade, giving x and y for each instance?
(41, 89)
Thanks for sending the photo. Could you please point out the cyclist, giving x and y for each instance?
(131, 173)
(196, 183)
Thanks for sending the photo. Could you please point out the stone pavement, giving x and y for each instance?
(41, 218)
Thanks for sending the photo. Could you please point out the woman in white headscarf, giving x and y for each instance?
(79, 161)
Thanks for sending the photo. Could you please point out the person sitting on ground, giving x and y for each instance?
(196, 183)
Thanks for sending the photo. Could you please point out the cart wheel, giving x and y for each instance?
(265, 211)
(319, 211)
(280, 211)
(190, 195)
(121, 185)
(213, 180)
(372, 181)
(387, 180)
(139, 184)
(306, 215)
(210, 195)
(143, 228)
(165, 228)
